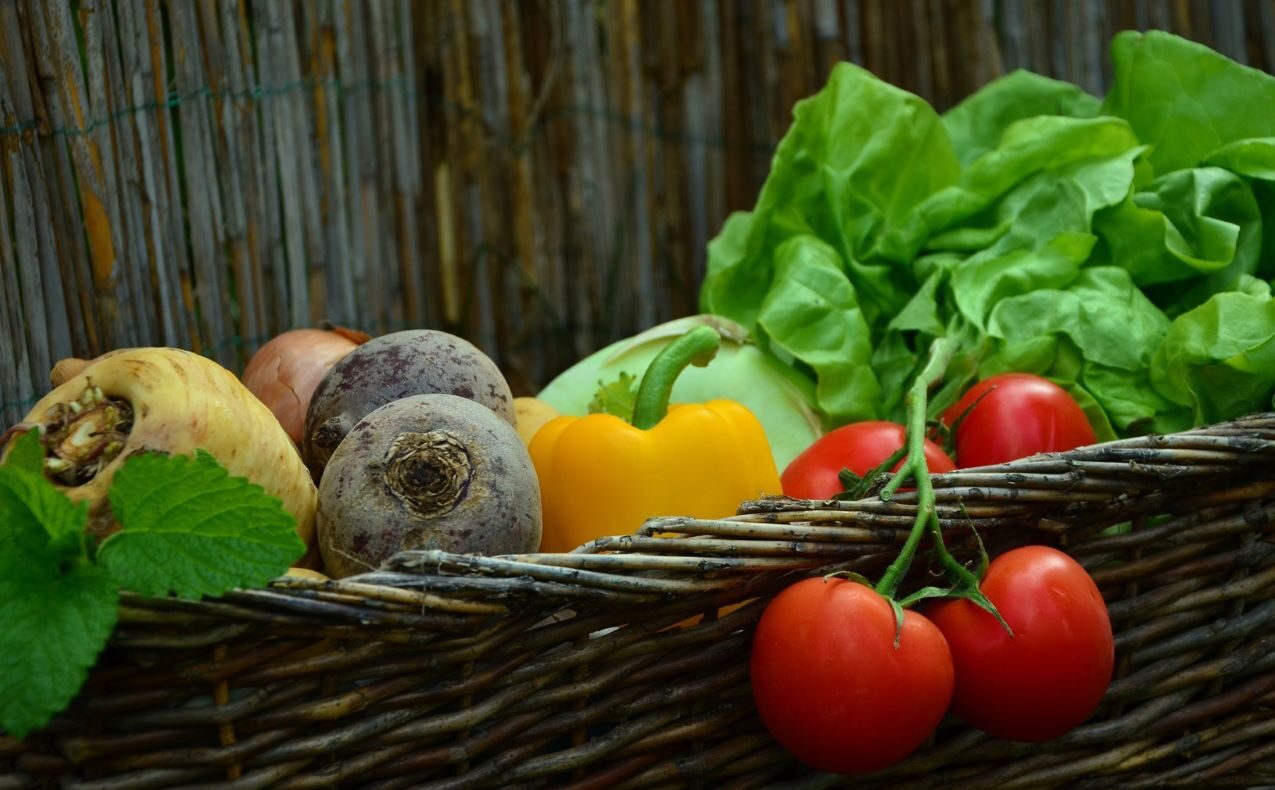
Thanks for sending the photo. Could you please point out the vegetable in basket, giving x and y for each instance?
(168, 401)
(1121, 248)
(393, 366)
(530, 415)
(427, 472)
(1047, 678)
(850, 454)
(850, 681)
(780, 398)
(286, 370)
(601, 475)
(1015, 415)
(836, 684)
(168, 523)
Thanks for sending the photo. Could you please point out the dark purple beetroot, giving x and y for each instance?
(394, 366)
(427, 472)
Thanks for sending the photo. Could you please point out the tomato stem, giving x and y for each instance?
(965, 582)
(940, 354)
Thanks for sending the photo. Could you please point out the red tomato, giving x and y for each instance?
(832, 688)
(1021, 415)
(1052, 674)
(859, 447)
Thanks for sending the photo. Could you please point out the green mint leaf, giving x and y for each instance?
(190, 528)
(26, 454)
(52, 627)
(617, 398)
(35, 517)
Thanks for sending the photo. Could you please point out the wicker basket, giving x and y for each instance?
(624, 664)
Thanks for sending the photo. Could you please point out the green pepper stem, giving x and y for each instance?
(940, 354)
(696, 347)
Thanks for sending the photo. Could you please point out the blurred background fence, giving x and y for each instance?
(539, 176)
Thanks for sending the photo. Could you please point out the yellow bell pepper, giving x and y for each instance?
(600, 475)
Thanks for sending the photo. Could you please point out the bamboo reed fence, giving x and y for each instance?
(538, 176)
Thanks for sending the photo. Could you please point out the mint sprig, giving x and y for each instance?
(186, 527)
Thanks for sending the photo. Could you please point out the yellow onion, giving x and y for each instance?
(284, 373)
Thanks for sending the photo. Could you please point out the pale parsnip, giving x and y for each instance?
(180, 402)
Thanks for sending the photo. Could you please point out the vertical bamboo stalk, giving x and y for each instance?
(535, 335)
(383, 71)
(496, 175)
(16, 105)
(545, 59)
(993, 63)
(298, 128)
(344, 114)
(29, 278)
(202, 187)
(162, 246)
(1266, 21)
(940, 57)
(923, 57)
(232, 156)
(413, 166)
(392, 23)
(259, 75)
(1013, 35)
(135, 321)
(1160, 16)
(164, 239)
(277, 62)
(669, 166)
(153, 252)
(852, 14)
(124, 330)
(475, 263)
(634, 271)
(1093, 45)
(448, 167)
(705, 197)
(830, 44)
(17, 391)
(356, 129)
(335, 197)
(156, 69)
(247, 124)
(1228, 29)
(449, 163)
(590, 203)
(58, 216)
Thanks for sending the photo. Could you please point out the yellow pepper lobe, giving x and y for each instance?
(601, 476)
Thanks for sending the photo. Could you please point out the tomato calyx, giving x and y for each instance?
(859, 487)
(945, 435)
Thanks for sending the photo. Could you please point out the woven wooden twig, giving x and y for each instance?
(624, 663)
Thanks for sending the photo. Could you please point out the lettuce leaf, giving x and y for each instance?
(1219, 359)
(975, 125)
(827, 191)
(1122, 248)
(1185, 99)
(812, 313)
